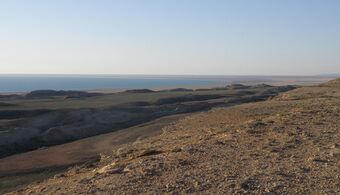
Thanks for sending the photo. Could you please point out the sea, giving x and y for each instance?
(26, 83)
(10, 83)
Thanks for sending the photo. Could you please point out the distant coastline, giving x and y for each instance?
(113, 83)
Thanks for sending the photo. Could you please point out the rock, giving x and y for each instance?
(117, 170)
(188, 148)
(250, 184)
(111, 169)
(149, 152)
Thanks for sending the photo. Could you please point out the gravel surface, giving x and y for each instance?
(287, 145)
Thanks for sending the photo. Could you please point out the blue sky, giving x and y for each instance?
(254, 37)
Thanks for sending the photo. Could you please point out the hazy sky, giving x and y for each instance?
(243, 37)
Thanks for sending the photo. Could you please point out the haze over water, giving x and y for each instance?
(25, 83)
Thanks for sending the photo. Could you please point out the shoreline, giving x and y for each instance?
(216, 81)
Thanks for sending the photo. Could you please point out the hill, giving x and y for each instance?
(286, 145)
(45, 118)
(333, 83)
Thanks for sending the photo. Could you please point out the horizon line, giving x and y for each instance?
(140, 74)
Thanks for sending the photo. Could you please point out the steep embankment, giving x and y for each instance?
(289, 144)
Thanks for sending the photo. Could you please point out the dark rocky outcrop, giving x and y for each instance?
(139, 91)
(187, 98)
(51, 93)
(237, 86)
(177, 90)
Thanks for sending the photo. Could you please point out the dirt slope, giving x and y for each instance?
(287, 145)
(22, 169)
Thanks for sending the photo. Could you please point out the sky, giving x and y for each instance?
(172, 37)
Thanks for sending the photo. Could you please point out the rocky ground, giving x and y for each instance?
(287, 145)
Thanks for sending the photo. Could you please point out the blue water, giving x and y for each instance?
(25, 83)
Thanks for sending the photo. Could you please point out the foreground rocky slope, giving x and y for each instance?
(289, 144)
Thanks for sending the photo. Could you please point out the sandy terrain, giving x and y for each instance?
(287, 145)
